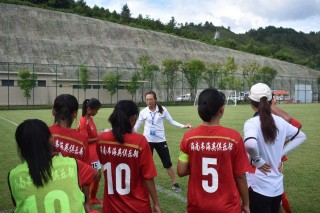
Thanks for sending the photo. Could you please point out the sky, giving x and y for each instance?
(239, 15)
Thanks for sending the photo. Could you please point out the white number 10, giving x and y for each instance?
(206, 170)
(119, 169)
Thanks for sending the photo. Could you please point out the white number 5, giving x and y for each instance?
(206, 170)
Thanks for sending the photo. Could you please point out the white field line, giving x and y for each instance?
(9, 121)
(171, 193)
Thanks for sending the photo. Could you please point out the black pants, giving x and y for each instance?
(163, 152)
(263, 204)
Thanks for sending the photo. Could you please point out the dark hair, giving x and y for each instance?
(209, 102)
(33, 140)
(92, 103)
(268, 126)
(155, 97)
(120, 118)
(64, 106)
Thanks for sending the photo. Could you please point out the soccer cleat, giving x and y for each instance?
(96, 201)
(176, 188)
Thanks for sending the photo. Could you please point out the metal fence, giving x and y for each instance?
(55, 79)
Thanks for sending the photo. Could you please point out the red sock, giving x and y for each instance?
(94, 189)
(285, 203)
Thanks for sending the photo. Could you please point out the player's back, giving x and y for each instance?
(70, 143)
(126, 166)
(216, 155)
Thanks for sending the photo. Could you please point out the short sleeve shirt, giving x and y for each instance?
(70, 143)
(216, 156)
(126, 167)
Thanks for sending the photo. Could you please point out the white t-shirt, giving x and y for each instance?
(154, 121)
(271, 184)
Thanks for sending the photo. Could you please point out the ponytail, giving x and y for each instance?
(268, 126)
(84, 107)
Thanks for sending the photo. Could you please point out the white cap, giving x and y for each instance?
(260, 90)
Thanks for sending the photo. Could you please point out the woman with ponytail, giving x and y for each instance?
(128, 166)
(68, 142)
(90, 108)
(265, 135)
(152, 116)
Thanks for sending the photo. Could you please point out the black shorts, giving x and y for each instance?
(163, 152)
(263, 204)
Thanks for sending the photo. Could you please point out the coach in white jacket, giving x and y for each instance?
(265, 135)
(152, 116)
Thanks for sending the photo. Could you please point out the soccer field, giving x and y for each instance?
(301, 170)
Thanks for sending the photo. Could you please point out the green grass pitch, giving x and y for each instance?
(301, 170)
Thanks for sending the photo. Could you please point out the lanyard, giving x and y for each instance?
(152, 117)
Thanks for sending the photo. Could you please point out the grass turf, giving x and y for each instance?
(301, 170)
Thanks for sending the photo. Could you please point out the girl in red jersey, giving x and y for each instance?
(90, 108)
(215, 159)
(44, 182)
(129, 169)
(69, 142)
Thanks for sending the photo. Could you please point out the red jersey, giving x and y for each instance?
(216, 155)
(126, 166)
(70, 143)
(87, 127)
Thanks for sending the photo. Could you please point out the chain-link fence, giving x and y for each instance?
(55, 79)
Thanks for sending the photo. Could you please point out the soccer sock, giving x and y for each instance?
(285, 203)
(94, 189)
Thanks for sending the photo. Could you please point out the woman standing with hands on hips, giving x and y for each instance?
(153, 116)
(265, 135)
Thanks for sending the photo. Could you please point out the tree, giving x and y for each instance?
(84, 78)
(125, 15)
(111, 82)
(229, 69)
(250, 72)
(193, 72)
(267, 75)
(170, 27)
(134, 84)
(212, 74)
(26, 82)
(148, 70)
(171, 68)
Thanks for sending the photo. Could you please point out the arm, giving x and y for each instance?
(241, 182)
(294, 143)
(175, 123)
(153, 193)
(138, 123)
(252, 149)
(279, 112)
(86, 191)
(183, 168)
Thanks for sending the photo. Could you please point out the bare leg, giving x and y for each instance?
(172, 175)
